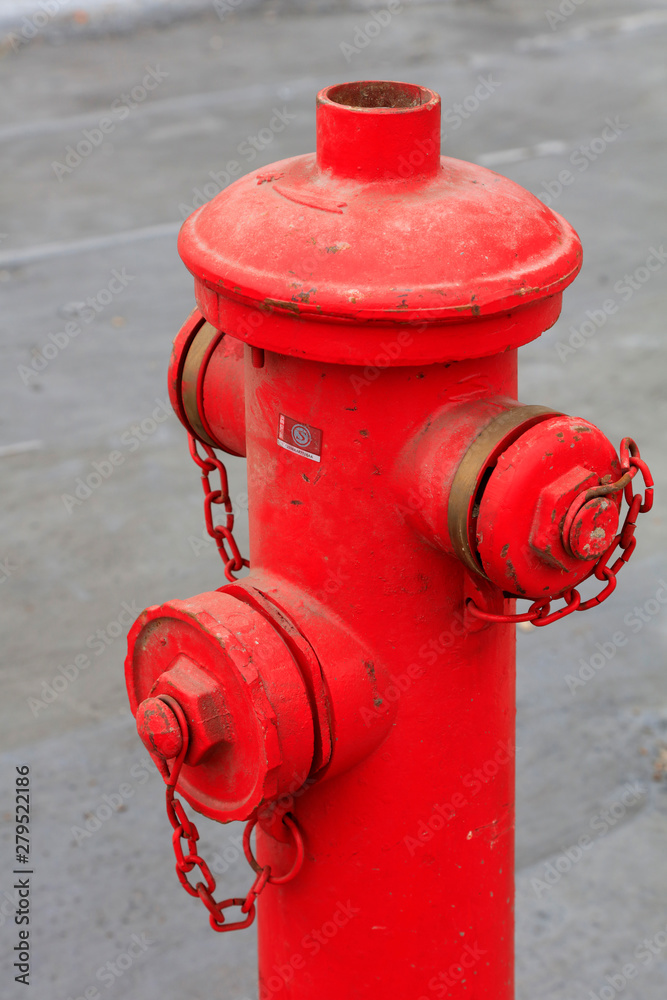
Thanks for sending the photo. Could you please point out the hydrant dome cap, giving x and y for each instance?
(423, 239)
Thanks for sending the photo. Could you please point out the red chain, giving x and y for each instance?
(539, 613)
(222, 534)
(185, 829)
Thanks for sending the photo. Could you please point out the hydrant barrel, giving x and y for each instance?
(410, 852)
(352, 697)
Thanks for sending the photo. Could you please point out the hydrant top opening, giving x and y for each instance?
(366, 127)
(374, 94)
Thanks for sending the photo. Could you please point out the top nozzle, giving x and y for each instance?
(378, 130)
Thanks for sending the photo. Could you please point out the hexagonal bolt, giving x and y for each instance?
(203, 703)
(553, 502)
(159, 728)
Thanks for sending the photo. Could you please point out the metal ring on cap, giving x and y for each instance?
(298, 842)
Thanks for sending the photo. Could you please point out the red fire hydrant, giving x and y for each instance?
(352, 697)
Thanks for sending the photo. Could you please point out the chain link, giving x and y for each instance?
(187, 860)
(184, 829)
(539, 613)
(222, 534)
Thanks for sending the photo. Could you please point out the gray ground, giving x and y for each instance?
(67, 575)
